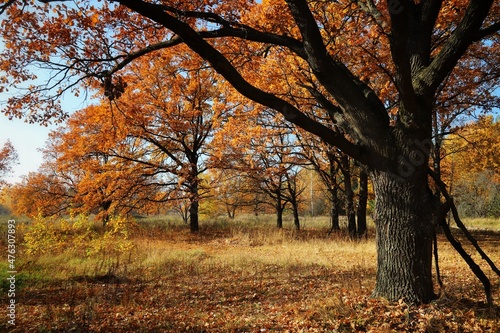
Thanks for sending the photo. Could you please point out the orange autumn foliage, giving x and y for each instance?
(144, 150)
(472, 149)
(471, 166)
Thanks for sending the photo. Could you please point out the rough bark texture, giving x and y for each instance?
(405, 231)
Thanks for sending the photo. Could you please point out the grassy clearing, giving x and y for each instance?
(239, 276)
(483, 223)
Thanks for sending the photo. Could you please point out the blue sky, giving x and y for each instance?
(26, 138)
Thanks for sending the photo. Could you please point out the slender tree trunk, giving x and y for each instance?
(231, 211)
(105, 221)
(349, 193)
(279, 218)
(194, 201)
(185, 217)
(183, 210)
(279, 212)
(106, 214)
(405, 229)
(194, 196)
(362, 202)
(293, 193)
(194, 226)
(256, 205)
(335, 208)
(296, 219)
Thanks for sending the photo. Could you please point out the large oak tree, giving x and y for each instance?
(364, 76)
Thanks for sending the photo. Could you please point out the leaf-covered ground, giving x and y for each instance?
(242, 281)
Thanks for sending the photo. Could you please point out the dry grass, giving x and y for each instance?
(241, 276)
(483, 223)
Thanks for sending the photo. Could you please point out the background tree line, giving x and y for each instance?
(90, 169)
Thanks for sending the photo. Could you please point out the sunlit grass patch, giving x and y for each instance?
(482, 223)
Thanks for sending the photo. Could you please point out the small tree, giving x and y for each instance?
(8, 158)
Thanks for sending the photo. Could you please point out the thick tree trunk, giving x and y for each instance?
(334, 216)
(405, 229)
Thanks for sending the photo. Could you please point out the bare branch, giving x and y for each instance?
(456, 45)
(488, 31)
(222, 65)
(5, 6)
